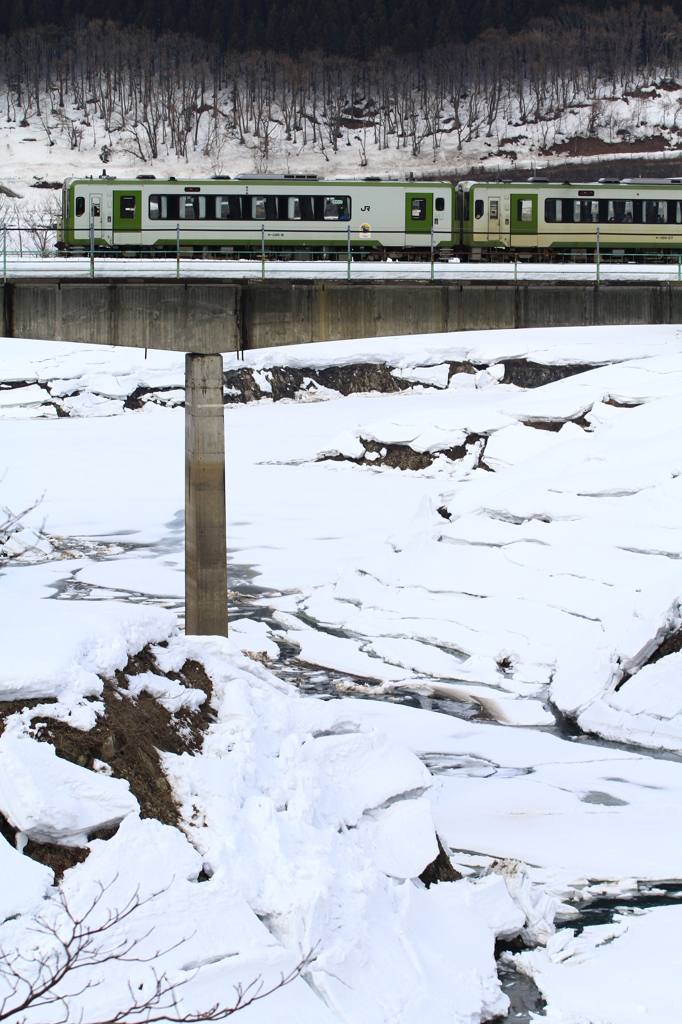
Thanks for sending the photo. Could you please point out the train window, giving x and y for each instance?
(440, 204)
(95, 210)
(478, 208)
(126, 208)
(192, 207)
(80, 206)
(258, 208)
(524, 210)
(293, 208)
(620, 211)
(494, 209)
(586, 211)
(158, 207)
(553, 211)
(655, 211)
(263, 208)
(677, 219)
(418, 209)
(188, 208)
(337, 208)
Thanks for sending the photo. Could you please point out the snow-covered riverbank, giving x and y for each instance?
(523, 576)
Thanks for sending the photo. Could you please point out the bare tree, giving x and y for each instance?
(155, 89)
(67, 946)
(41, 223)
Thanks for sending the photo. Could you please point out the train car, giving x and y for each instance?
(292, 212)
(630, 215)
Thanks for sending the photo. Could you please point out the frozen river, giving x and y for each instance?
(482, 647)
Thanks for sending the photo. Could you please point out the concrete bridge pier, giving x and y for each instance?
(205, 518)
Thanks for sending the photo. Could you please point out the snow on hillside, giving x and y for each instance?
(639, 122)
(489, 564)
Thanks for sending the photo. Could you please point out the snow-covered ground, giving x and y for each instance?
(523, 582)
(516, 142)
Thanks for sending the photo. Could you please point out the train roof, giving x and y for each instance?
(524, 182)
(389, 179)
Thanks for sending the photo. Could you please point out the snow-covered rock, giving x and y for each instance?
(52, 800)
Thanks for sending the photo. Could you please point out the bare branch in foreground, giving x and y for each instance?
(47, 977)
(10, 524)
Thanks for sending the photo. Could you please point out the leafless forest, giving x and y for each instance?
(177, 93)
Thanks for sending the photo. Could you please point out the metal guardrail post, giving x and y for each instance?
(177, 251)
(679, 267)
(92, 247)
(432, 263)
(262, 252)
(349, 252)
(516, 266)
(4, 254)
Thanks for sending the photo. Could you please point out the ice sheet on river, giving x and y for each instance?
(576, 807)
(555, 576)
(617, 972)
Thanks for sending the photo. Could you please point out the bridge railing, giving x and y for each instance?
(281, 263)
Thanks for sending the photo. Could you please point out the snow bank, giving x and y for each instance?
(555, 573)
(24, 883)
(322, 824)
(587, 346)
(51, 800)
(303, 819)
(61, 649)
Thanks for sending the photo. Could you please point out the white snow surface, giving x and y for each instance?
(612, 972)
(107, 267)
(303, 819)
(53, 801)
(538, 573)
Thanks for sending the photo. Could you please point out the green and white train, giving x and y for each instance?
(287, 212)
(303, 214)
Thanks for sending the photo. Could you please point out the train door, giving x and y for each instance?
(505, 229)
(524, 219)
(494, 218)
(128, 217)
(108, 223)
(96, 215)
(418, 218)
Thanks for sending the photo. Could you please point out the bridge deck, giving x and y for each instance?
(206, 316)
